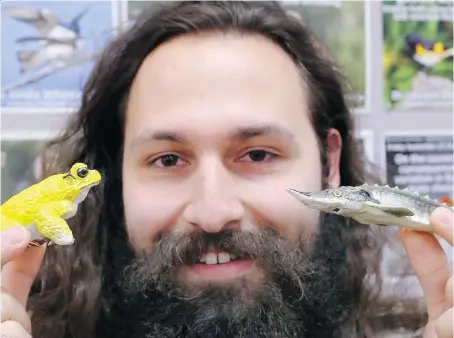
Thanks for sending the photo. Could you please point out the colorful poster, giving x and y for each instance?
(341, 25)
(422, 163)
(418, 55)
(48, 50)
(20, 165)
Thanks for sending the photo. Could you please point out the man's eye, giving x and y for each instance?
(166, 160)
(259, 155)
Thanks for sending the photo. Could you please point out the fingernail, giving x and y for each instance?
(445, 217)
(17, 235)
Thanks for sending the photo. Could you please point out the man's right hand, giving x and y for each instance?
(20, 265)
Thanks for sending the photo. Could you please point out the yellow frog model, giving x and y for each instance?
(43, 207)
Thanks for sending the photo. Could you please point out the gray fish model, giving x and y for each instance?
(374, 204)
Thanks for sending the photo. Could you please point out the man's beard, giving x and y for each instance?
(302, 293)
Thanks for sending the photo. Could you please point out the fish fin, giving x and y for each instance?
(391, 209)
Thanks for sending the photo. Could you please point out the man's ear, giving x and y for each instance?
(333, 153)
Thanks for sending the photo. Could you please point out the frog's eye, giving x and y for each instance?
(337, 193)
(82, 172)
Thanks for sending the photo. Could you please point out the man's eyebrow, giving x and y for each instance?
(157, 135)
(244, 134)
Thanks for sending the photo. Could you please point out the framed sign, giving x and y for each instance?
(422, 161)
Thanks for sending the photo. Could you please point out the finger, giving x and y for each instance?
(444, 325)
(442, 221)
(13, 310)
(14, 241)
(19, 274)
(449, 295)
(430, 263)
(13, 329)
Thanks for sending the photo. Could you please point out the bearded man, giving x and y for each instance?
(199, 117)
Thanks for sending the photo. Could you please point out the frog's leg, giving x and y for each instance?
(52, 226)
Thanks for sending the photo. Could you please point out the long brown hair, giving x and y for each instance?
(66, 298)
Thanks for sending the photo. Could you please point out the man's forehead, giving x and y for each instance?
(207, 59)
(244, 89)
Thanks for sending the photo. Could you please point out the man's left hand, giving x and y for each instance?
(432, 268)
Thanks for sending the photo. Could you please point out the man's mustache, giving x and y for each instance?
(276, 256)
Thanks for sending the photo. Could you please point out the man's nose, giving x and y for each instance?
(214, 204)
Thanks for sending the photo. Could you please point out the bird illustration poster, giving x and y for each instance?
(49, 49)
(342, 30)
(418, 55)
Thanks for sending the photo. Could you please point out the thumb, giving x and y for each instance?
(14, 242)
(20, 271)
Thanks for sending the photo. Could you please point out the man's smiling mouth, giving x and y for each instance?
(212, 257)
(216, 265)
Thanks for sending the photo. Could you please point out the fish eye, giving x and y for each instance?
(82, 172)
(337, 193)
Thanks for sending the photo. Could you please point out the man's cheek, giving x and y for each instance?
(143, 221)
(294, 223)
(275, 207)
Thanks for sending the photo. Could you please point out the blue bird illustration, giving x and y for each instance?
(58, 41)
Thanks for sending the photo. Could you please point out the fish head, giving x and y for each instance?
(341, 201)
(328, 200)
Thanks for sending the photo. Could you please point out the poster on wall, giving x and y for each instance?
(422, 162)
(20, 164)
(342, 26)
(49, 49)
(418, 55)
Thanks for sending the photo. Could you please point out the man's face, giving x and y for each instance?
(218, 126)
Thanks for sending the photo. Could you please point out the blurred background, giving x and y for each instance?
(397, 56)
